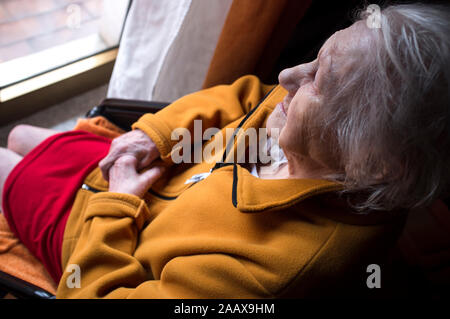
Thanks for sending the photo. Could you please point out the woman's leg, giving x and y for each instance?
(23, 138)
(8, 159)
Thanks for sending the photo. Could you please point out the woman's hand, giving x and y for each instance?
(124, 177)
(135, 143)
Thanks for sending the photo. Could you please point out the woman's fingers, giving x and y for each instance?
(124, 177)
(151, 155)
(150, 176)
(135, 143)
(124, 168)
(106, 163)
(117, 149)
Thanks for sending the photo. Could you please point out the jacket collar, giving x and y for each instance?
(251, 194)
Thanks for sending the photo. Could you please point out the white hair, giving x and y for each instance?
(391, 114)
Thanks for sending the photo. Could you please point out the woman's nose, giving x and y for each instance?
(288, 79)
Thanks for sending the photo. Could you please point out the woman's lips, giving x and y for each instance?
(283, 108)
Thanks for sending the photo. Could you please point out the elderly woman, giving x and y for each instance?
(364, 130)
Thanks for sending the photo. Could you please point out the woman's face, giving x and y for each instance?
(306, 84)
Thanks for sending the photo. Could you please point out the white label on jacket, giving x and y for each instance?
(197, 178)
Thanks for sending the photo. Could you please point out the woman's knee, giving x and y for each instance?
(8, 160)
(16, 137)
(23, 138)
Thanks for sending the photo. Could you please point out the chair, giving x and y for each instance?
(21, 289)
(120, 112)
(419, 265)
(420, 262)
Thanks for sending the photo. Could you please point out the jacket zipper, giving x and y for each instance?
(216, 166)
(229, 145)
(231, 141)
(95, 190)
(91, 189)
(151, 191)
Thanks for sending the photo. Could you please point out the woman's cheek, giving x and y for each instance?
(294, 135)
(275, 122)
(288, 135)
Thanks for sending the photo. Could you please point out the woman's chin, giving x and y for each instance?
(281, 139)
(276, 122)
(275, 132)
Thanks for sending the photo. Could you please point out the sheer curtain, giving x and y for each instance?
(166, 48)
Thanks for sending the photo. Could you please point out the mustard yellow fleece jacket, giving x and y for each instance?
(230, 235)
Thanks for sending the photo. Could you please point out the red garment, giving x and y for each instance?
(39, 192)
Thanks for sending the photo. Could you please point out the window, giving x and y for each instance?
(40, 38)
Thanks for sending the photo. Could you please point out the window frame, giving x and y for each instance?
(37, 92)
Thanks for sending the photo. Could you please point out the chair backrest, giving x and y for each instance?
(421, 266)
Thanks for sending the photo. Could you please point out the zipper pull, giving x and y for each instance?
(89, 188)
(197, 178)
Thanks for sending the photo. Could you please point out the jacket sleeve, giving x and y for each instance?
(215, 107)
(109, 269)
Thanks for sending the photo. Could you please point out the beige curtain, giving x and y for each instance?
(253, 36)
